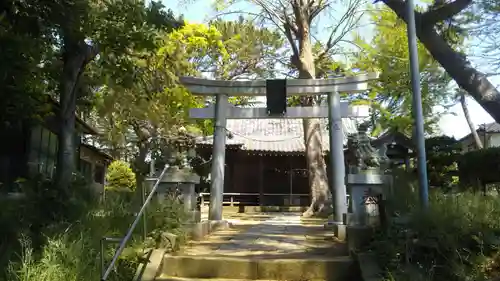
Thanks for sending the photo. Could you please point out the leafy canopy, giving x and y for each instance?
(391, 96)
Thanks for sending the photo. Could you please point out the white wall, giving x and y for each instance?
(494, 140)
(490, 140)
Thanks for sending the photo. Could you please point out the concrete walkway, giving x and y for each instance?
(281, 235)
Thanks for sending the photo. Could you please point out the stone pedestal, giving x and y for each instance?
(365, 190)
(185, 180)
(188, 196)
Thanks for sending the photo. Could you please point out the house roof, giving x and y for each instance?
(274, 135)
(488, 128)
(98, 151)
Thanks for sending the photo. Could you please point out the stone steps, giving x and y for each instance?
(279, 247)
(332, 269)
(170, 278)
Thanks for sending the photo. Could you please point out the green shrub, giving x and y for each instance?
(60, 233)
(43, 206)
(405, 188)
(480, 167)
(120, 177)
(457, 238)
(71, 251)
(442, 156)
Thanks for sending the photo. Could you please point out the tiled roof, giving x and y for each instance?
(277, 135)
(490, 127)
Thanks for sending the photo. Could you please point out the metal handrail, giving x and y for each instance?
(125, 239)
(256, 194)
(102, 244)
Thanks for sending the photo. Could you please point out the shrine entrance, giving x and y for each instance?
(276, 92)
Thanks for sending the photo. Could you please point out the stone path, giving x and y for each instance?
(280, 236)
(270, 246)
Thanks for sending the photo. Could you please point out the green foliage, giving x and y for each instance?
(68, 248)
(23, 80)
(253, 50)
(456, 238)
(43, 205)
(442, 157)
(46, 46)
(405, 188)
(480, 165)
(153, 107)
(120, 177)
(481, 21)
(391, 95)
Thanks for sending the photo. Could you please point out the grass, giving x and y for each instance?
(456, 238)
(70, 249)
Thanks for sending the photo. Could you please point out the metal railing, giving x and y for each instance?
(204, 195)
(123, 241)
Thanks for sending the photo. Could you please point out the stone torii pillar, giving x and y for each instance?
(276, 92)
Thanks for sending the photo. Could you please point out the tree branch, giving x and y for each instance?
(445, 12)
(272, 15)
(455, 63)
(399, 7)
(289, 36)
(282, 22)
(350, 23)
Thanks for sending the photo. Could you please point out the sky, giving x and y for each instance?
(452, 124)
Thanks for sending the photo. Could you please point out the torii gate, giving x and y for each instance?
(276, 92)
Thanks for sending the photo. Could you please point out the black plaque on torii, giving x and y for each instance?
(276, 97)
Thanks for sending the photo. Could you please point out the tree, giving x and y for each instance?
(442, 156)
(432, 29)
(83, 28)
(49, 46)
(86, 28)
(483, 23)
(472, 128)
(391, 94)
(119, 74)
(23, 30)
(150, 112)
(253, 53)
(253, 50)
(295, 19)
(243, 42)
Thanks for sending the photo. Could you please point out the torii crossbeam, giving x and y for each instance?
(277, 91)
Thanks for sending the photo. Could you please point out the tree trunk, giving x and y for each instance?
(75, 58)
(473, 131)
(467, 77)
(321, 197)
(140, 170)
